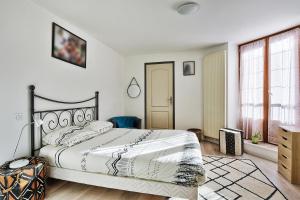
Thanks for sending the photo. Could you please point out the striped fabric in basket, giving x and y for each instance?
(231, 141)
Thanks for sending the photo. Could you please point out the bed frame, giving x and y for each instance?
(74, 113)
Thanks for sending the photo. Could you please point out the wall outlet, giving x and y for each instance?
(19, 116)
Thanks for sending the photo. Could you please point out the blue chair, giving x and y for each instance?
(126, 122)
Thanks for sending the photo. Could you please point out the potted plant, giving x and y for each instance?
(256, 137)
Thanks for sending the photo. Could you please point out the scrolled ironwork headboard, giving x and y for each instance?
(59, 118)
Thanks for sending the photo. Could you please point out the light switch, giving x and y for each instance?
(19, 116)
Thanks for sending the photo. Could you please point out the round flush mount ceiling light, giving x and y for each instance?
(188, 8)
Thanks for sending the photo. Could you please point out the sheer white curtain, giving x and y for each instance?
(251, 87)
(284, 82)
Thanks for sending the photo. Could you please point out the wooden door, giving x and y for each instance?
(159, 95)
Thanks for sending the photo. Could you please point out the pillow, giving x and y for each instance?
(78, 137)
(71, 135)
(99, 126)
(55, 137)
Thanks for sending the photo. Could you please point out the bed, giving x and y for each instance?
(160, 162)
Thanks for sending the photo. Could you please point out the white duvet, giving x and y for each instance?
(162, 155)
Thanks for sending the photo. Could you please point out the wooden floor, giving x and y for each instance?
(58, 190)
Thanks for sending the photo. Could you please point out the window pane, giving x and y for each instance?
(282, 78)
(252, 71)
(252, 84)
(283, 81)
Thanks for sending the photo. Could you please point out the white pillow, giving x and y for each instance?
(99, 126)
(55, 137)
(78, 137)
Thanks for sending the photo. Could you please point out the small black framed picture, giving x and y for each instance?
(188, 68)
(67, 46)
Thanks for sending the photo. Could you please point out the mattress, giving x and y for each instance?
(171, 156)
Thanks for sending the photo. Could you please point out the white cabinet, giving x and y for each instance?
(214, 101)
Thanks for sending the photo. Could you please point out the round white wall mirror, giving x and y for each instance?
(133, 90)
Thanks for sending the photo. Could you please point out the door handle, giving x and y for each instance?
(171, 100)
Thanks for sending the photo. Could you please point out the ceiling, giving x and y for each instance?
(153, 26)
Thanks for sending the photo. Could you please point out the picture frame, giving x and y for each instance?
(188, 68)
(68, 47)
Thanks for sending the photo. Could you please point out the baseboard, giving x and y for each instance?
(262, 150)
(212, 140)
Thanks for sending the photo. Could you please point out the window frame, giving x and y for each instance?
(266, 87)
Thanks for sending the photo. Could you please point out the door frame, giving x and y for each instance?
(145, 86)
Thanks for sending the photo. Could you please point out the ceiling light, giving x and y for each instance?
(188, 8)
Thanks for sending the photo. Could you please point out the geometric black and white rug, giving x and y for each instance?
(230, 178)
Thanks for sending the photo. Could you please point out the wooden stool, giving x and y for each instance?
(198, 133)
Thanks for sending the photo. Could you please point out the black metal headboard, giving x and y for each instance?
(59, 118)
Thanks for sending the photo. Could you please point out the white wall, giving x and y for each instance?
(188, 100)
(213, 49)
(25, 58)
(232, 86)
